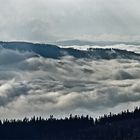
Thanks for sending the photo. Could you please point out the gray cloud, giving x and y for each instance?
(42, 86)
(49, 20)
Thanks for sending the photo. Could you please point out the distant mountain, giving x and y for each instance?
(92, 43)
(53, 51)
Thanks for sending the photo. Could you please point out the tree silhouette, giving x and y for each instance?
(122, 126)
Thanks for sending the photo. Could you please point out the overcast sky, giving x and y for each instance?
(51, 20)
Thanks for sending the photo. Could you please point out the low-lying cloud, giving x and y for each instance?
(32, 85)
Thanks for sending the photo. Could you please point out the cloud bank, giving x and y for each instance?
(132, 48)
(32, 85)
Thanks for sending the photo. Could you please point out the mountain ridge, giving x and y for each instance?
(55, 52)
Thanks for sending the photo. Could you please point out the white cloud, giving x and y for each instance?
(45, 86)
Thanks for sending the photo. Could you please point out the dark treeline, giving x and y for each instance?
(123, 126)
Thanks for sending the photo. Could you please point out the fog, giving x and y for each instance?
(40, 86)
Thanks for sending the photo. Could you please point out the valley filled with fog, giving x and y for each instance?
(31, 84)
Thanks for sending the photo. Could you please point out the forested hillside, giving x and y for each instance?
(123, 126)
(53, 51)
